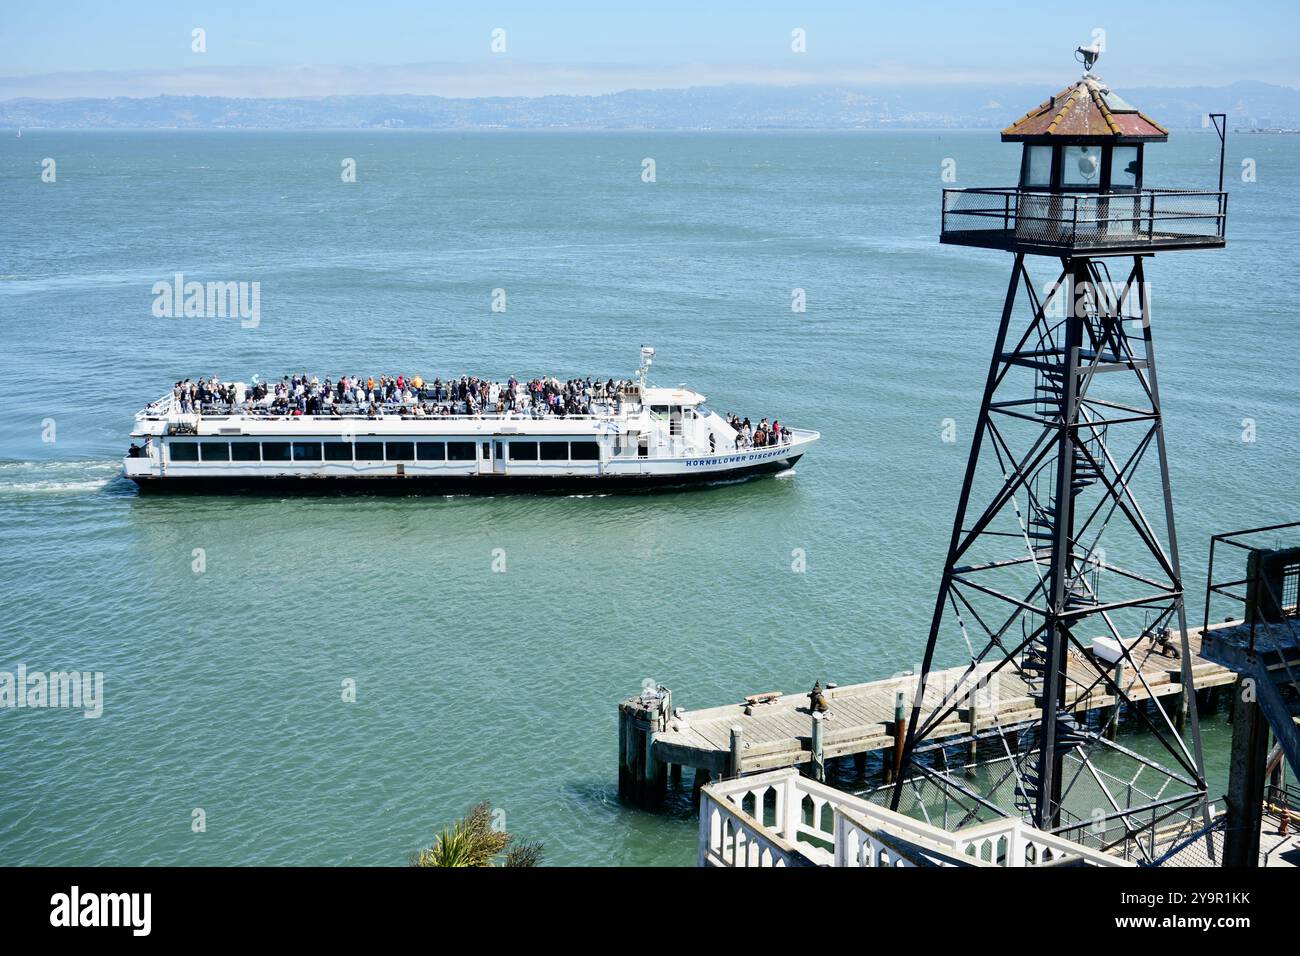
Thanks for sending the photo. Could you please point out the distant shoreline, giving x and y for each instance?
(898, 108)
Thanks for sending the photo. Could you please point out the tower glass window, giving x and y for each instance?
(1081, 167)
(1037, 171)
(1125, 168)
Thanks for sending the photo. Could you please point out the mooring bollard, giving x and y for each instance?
(818, 748)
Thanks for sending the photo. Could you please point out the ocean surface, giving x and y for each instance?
(224, 686)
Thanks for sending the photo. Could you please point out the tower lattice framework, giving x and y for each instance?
(1064, 533)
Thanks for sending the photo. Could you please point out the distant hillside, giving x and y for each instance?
(1249, 104)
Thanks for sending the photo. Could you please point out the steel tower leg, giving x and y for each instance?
(945, 583)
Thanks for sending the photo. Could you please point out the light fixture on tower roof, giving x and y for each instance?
(1087, 55)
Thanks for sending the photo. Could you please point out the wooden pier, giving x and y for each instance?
(768, 731)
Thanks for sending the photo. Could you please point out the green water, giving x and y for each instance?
(224, 689)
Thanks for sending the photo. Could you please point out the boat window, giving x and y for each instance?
(431, 451)
(183, 450)
(584, 450)
(659, 412)
(338, 451)
(369, 450)
(460, 451)
(400, 451)
(703, 411)
(555, 450)
(275, 451)
(214, 450)
(306, 451)
(523, 451)
(245, 451)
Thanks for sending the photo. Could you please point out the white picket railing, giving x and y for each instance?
(781, 818)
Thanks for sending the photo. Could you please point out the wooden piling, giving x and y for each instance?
(737, 750)
(700, 781)
(899, 730)
(972, 747)
(1110, 723)
(818, 748)
(642, 777)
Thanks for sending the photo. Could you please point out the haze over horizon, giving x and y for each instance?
(299, 49)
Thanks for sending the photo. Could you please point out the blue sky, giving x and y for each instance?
(303, 48)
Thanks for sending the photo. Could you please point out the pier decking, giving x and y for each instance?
(774, 732)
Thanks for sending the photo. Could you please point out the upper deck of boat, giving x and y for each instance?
(165, 417)
(628, 409)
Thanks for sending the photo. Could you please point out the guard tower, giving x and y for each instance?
(1062, 580)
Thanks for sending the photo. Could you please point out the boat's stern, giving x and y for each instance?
(144, 458)
(139, 469)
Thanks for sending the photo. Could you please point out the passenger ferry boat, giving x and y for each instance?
(639, 437)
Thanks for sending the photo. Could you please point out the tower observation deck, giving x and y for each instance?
(1081, 189)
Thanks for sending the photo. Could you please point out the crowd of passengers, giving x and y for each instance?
(402, 395)
(758, 436)
(414, 396)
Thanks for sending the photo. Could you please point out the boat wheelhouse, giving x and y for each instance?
(637, 437)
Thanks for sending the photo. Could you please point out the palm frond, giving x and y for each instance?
(473, 842)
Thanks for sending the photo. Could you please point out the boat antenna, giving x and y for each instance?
(647, 359)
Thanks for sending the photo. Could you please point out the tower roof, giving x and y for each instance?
(1086, 112)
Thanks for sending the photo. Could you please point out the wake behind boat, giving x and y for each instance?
(464, 436)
